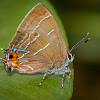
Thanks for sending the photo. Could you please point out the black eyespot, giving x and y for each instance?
(8, 69)
(10, 56)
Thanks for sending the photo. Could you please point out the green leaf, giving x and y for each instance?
(15, 86)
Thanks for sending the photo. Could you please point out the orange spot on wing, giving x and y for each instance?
(13, 62)
(12, 56)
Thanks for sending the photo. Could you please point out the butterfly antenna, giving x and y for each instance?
(81, 42)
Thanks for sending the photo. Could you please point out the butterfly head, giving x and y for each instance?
(10, 60)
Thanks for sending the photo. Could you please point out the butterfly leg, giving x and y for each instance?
(62, 71)
(51, 71)
(69, 73)
(63, 79)
(43, 78)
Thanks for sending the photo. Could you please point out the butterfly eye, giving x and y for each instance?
(69, 56)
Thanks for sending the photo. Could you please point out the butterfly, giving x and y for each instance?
(38, 46)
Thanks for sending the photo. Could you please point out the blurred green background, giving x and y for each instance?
(78, 18)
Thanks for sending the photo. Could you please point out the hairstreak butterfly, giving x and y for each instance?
(38, 46)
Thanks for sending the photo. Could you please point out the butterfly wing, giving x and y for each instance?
(40, 36)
